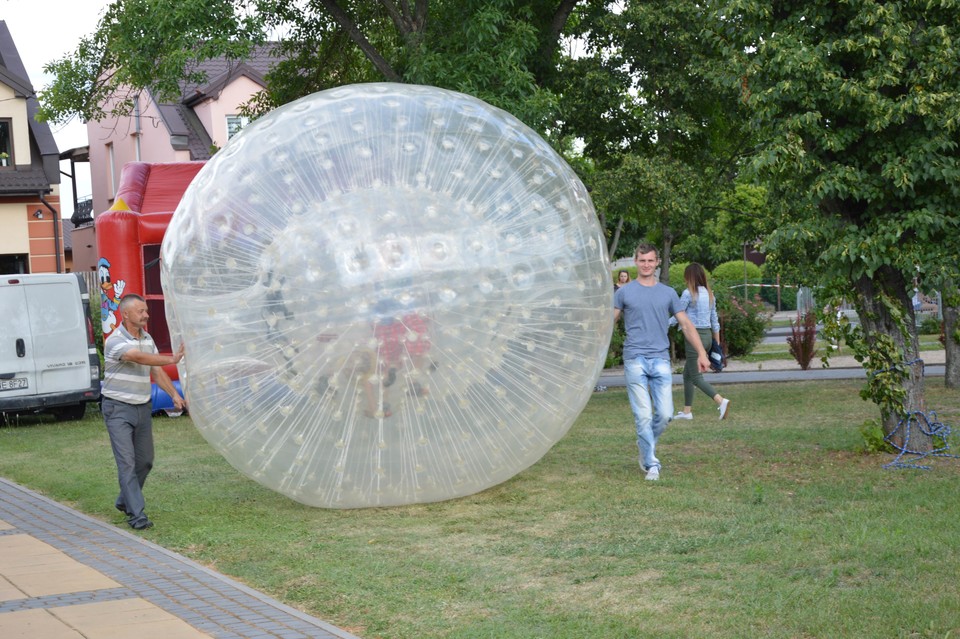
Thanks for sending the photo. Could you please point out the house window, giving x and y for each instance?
(235, 123)
(6, 142)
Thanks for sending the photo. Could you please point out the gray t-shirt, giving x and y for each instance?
(646, 316)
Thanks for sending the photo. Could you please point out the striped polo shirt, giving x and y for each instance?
(126, 382)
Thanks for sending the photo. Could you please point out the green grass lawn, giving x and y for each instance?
(769, 524)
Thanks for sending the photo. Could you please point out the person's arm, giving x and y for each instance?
(715, 321)
(163, 381)
(156, 363)
(151, 359)
(616, 315)
(692, 337)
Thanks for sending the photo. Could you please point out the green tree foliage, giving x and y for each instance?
(657, 193)
(145, 43)
(663, 140)
(784, 299)
(499, 50)
(858, 104)
(733, 217)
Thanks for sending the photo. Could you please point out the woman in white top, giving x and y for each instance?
(701, 307)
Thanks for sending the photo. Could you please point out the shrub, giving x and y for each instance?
(803, 339)
(615, 353)
(930, 325)
(97, 327)
(729, 274)
(873, 441)
(676, 276)
(743, 322)
(788, 296)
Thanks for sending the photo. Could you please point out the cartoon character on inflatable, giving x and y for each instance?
(110, 293)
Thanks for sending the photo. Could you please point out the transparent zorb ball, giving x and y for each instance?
(389, 294)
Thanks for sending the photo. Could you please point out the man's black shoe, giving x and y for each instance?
(142, 524)
(122, 509)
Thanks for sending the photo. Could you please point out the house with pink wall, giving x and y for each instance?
(190, 129)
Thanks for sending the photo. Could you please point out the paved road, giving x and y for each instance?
(614, 378)
(785, 370)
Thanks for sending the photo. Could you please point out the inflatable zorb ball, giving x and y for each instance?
(389, 294)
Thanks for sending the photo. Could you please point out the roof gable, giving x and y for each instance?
(46, 164)
(186, 130)
(220, 72)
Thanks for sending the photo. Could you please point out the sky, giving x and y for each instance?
(46, 30)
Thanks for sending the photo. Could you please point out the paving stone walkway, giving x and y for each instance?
(64, 575)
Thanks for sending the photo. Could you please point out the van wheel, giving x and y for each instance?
(69, 413)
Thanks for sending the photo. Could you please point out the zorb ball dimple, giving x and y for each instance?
(389, 294)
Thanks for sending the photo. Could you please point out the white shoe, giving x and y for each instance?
(723, 408)
(683, 415)
(653, 474)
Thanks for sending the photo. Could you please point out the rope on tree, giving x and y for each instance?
(928, 425)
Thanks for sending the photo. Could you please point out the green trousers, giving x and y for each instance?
(692, 377)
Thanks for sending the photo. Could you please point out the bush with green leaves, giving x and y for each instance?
(930, 325)
(873, 438)
(743, 322)
(97, 327)
(676, 276)
(730, 275)
(615, 353)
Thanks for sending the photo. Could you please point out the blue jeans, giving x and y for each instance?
(649, 387)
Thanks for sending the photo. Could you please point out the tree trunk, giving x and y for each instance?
(369, 50)
(615, 240)
(876, 320)
(665, 258)
(951, 377)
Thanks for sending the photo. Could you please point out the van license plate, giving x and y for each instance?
(13, 384)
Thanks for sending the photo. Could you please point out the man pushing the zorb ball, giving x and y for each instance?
(130, 359)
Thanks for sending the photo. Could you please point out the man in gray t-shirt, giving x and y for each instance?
(130, 359)
(646, 306)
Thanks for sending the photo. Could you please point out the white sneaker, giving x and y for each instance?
(653, 474)
(723, 408)
(683, 415)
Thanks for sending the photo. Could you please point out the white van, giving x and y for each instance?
(48, 357)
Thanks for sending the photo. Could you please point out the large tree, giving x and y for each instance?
(663, 141)
(858, 104)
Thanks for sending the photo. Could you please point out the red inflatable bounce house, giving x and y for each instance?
(128, 243)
